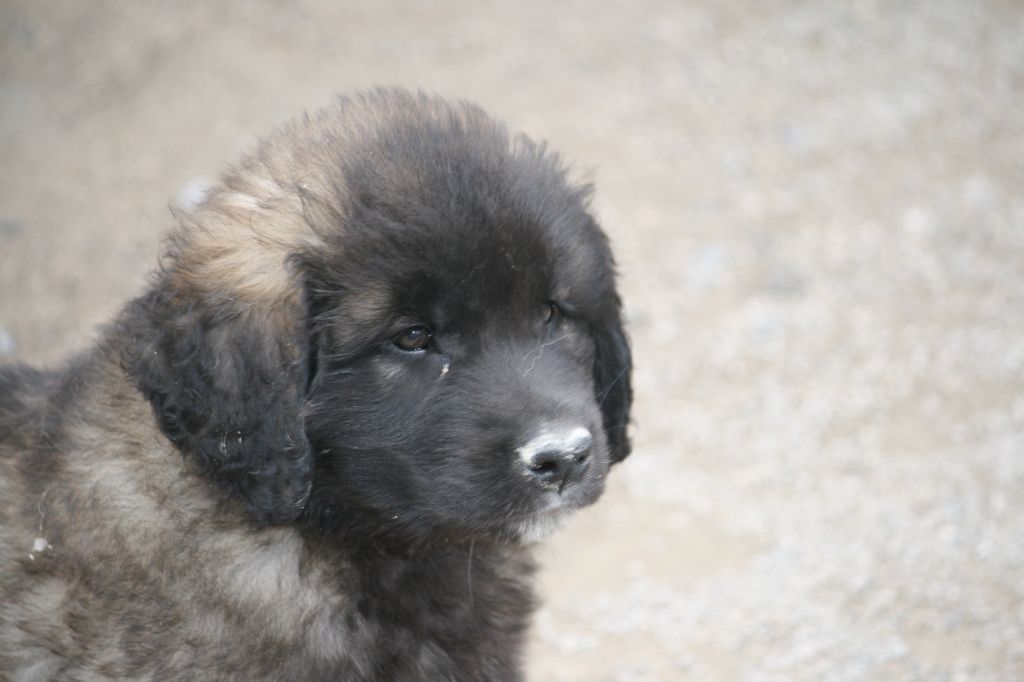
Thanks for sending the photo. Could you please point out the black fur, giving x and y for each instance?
(227, 394)
(266, 353)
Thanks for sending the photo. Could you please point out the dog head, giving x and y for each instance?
(393, 319)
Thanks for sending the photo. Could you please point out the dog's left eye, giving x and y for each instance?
(550, 311)
(414, 338)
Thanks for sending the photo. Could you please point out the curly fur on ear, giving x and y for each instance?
(219, 344)
(613, 367)
(227, 389)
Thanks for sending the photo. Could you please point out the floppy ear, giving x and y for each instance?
(613, 367)
(227, 382)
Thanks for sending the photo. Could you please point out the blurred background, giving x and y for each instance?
(818, 213)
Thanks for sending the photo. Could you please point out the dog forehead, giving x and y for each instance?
(470, 263)
(479, 266)
(440, 202)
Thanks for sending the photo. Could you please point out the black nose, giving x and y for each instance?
(556, 460)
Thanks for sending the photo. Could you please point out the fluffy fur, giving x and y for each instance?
(319, 445)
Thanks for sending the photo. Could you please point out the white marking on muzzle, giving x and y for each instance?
(572, 441)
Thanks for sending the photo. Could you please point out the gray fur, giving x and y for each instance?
(127, 551)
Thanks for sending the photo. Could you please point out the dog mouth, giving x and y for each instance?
(540, 525)
(553, 511)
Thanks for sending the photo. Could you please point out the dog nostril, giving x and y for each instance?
(545, 468)
(551, 469)
(558, 460)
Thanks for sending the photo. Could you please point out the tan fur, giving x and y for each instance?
(123, 506)
(124, 556)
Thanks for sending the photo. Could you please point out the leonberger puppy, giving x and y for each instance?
(379, 359)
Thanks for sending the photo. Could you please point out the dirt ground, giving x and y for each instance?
(819, 216)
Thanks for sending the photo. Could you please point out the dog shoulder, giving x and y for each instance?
(111, 541)
(23, 393)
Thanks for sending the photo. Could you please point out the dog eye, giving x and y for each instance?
(550, 311)
(414, 338)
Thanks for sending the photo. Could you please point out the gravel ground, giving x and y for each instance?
(818, 213)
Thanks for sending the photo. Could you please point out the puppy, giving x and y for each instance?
(380, 357)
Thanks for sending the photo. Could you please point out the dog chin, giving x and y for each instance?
(541, 525)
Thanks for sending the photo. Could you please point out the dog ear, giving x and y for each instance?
(219, 345)
(227, 386)
(613, 365)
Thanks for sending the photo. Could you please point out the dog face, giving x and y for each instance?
(447, 359)
(455, 384)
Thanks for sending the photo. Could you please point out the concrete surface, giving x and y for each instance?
(819, 215)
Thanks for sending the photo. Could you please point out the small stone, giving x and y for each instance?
(7, 344)
(979, 193)
(192, 194)
(918, 221)
(9, 227)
